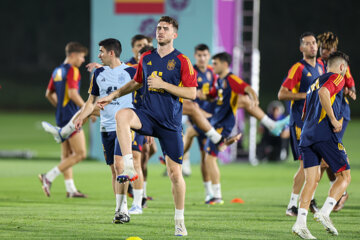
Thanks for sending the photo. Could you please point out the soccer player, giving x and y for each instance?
(300, 77)
(63, 93)
(167, 76)
(107, 79)
(137, 42)
(320, 139)
(328, 43)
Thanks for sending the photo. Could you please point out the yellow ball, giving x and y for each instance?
(133, 238)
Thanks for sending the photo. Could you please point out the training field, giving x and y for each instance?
(25, 213)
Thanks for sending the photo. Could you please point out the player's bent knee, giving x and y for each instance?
(122, 116)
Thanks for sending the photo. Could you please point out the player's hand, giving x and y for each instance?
(78, 123)
(93, 118)
(352, 94)
(155, 81)
(91, 66)
(149, 139)
(337, 125)
(200, 94)
(102, 102)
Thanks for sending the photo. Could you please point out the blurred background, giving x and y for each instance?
(34, 34)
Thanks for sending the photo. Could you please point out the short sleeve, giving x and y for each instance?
(73, 77)
(94, 87)
(334, 84)
(51, 86)
(187, 72)
(131, 71)
(294, 76)
(349, 80)
(139, 70)
(237, 84)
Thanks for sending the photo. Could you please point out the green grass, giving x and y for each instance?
(26, 213)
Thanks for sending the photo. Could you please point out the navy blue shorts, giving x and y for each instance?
(201, 138)
(344, 126)
(138, 141)
(295, 133)
(111, 146)
(331, 151)
(171, 141)
(210, 147)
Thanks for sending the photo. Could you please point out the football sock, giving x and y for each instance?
(217, 190)
(118, 202)
(69, 128)
(301, 217)
(70, 186)
(52, 174)
(268, 122)
(179, 214)
(123, 204)
(137, 197)
(144, 190)
(328, 206)
(293, 200)
(128, 161)
(213, 135)
(208, 188)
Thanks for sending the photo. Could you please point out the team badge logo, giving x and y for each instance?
(171, 64)
(199, 79)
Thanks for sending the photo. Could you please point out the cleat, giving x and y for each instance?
(215, 201)
(135, 210)
(127, 175)
(313, 206)
(149, 198)
(121, 218)
(225, 142)
(46, 184)
(208, 198)
(55, 131)
(280, 125)
(302, 231)
(162, 160)
(143, 203)
(326, 222)
(292, 212)
(130, 192)
(77, 194)
(180, 229)
(340, 204)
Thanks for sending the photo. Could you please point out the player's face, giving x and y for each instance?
(218, 66)
(79, 58)
(325, 52)
(138, 45)
(202, 58)
(309, 47)
(104, 56)
(165, 33)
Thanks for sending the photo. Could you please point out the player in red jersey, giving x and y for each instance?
(63, 93)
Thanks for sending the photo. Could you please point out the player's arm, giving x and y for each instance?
(72, 79)
(349, 84)
(126, 89)
(50, 93)
(86, 111)
(75, 97)
(252, 95)
(286, 94)
(293, 78)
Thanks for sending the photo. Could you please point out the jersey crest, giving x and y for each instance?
(171, 64)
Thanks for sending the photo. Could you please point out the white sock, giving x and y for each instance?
(144, 190)
(137, 197)
(268, 122)
(208, 188)
(70, 186)
(293, 200)
(179, 214)
(118, 202)
(213, 135)
(128, 161)
(328, 206)
(301, 217)
(68, 129)
(52, 174)
(217, 190)
(123, 204)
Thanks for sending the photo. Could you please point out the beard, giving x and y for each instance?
(165, 42)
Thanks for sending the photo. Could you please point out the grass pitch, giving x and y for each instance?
(26, 213)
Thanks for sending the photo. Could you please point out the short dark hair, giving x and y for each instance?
(138, 37)
(145, 49)
(75, 47)
(150, 39)
(201, 47)
(306, 34)
(223, 57)
(335, 56)
(171, 21)
(112, 44)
